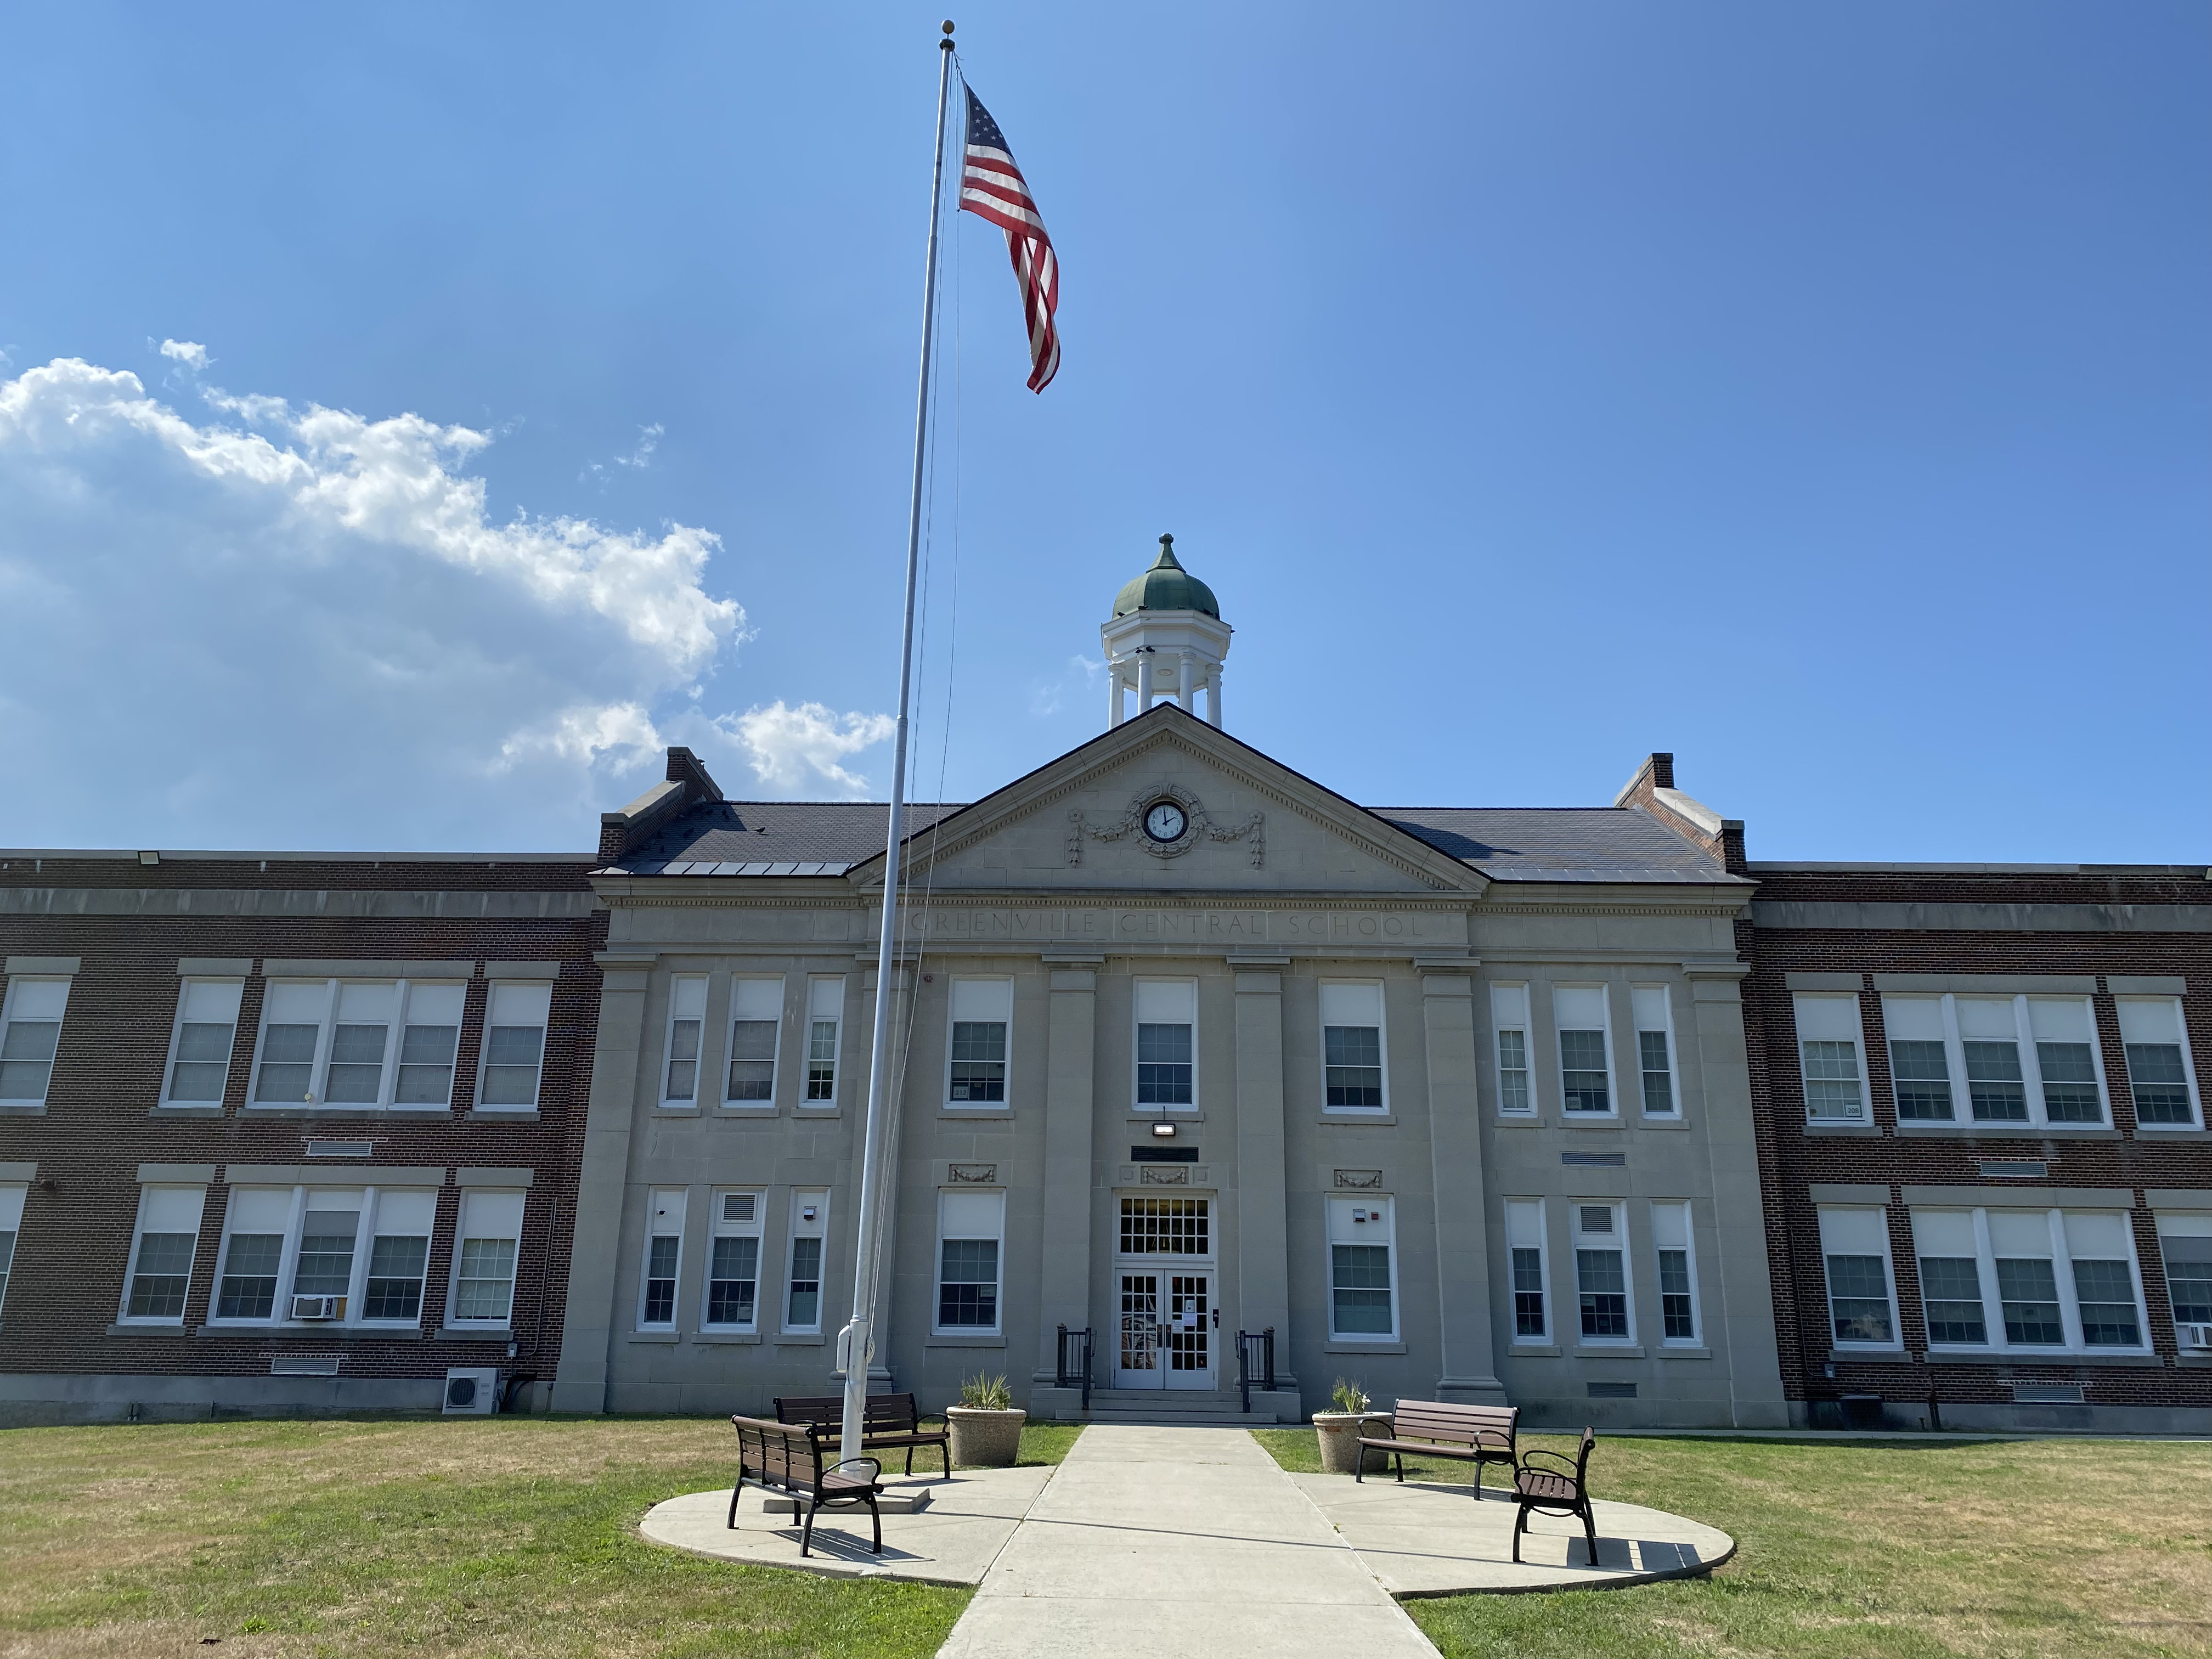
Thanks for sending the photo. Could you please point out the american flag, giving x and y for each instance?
(992, 187)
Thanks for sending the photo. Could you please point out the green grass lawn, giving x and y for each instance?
(507, 1536)
(1850, 1550)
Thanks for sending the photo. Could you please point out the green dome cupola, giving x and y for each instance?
(1166, 587)
(1165, 640)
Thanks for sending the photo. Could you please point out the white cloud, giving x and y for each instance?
(296, 625)
(193, 354)
(1079, 675)
(648, 440)
(793, 750)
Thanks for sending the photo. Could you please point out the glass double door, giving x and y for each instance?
(1165, 1338)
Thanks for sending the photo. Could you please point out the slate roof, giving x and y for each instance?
(1506, 843)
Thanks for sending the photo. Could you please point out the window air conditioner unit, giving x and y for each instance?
(318, 1307)
(2196, 1338)
(471, 1391)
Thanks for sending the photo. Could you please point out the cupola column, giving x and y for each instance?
(1143, 678)
(1214, 698)
(1185, 689)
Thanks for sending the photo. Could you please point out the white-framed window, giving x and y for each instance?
(2027, 1280)
(970, 1230)
(802, 1279)
(1655, 1049)
(1509, 1021)
(982, 1015)
(662, 1260)
(2022, 1060)
(515, 1018)
(825, 1026)
(1355, 1075)
(324, 1255)
(2185, 1239)
(733, 1258)
(1831, 1049)
(1362, 1280)
(1167, 1044)
(756, 1025)
(1862, 1290)
(200, 1043)
(11, 1223)
(366, 1045)
(30, 1028)
(2162, 1073)
(487, 1243)
(1604, 1301)
(1676, 1259)
(1585, 1027)
(687, 1020)
(1527, 1256)
(161, 1246)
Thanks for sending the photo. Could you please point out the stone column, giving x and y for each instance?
(580, 1381)
(1734, 1260)
(1144, 656)
(1113, 695)
(1185, 687)
(1469, 1368)
(1213, 699)
(1263, 1277)
(1071, 1043)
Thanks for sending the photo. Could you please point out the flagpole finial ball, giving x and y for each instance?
(948, 26)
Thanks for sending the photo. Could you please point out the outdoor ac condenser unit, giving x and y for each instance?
(471, 1391)
(318, 1307)
(2195, 1337)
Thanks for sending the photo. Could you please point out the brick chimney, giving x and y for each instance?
(1653, 789)
(687, 785)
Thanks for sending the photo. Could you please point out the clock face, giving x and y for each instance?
(1165, 821)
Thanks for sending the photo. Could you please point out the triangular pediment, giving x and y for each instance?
(1249, 824)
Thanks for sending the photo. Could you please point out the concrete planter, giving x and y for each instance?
(988, 1440)
(1340, 1433)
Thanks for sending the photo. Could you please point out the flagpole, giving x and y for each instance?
(856, 1344)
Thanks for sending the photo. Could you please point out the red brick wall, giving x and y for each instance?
(1792, 1158)
(74, 1247)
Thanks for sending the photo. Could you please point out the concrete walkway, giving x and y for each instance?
(1158, 1543)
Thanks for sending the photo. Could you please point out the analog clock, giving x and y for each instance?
(1165, 821)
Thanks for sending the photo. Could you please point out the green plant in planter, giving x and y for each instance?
(1348, 1396)
(985, 1394)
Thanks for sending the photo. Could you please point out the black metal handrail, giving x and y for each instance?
(1073, 1369)
(1256, 1363)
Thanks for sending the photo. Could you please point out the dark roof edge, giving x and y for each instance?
(167, 854)
(1810, 867)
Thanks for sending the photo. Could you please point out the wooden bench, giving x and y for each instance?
(892, 1422)
(1438, 1428)
(787, 1458)
(1555, 1491)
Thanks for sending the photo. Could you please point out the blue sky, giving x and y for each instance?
(1823, 394)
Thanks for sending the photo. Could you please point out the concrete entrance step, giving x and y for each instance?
(1173, 1406)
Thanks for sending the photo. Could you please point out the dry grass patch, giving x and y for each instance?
(2042, 1549)
(508, 1536)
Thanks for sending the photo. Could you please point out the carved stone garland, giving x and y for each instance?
(1197, 826)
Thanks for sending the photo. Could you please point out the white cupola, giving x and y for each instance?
(1165, 639)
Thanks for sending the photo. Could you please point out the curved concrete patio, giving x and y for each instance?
(1152, 1543)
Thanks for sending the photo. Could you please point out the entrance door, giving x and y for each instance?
(1166, 1331)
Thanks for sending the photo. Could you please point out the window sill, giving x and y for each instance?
(1363, 1115)
(2010, 1131)
(978, 1114)
(502, 1115)
(188, 1109)
(1684, 1351)
(1519, 1120)
(314, 1332)
(1609, 1350)
(1590, 1121)
(1533, 1351)
(23, 1108)
(1355, 1345)
(729, 1109)
(719, 1337)
(2040, 1357)
(671, 1338)
(2194, 1360)
(675, 1109)
(2169, 1129)
(961, 1340)
(121, 1329)
(1870, 1351)
(1167, 1114)
(475, 1333)
(1827, 1129)
(799, 1340)
(1669, 1122)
